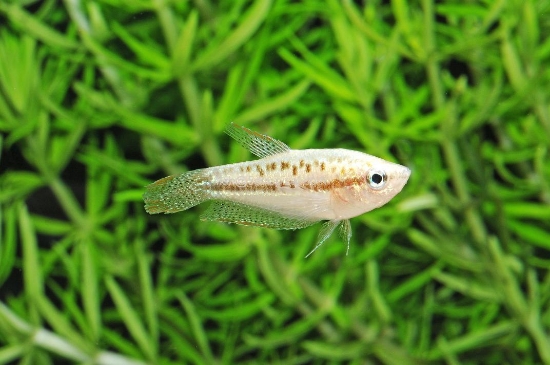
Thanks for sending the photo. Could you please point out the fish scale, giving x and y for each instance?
(285, 188)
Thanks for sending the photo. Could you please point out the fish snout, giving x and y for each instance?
(406, 172)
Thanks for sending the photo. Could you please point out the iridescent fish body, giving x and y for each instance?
(285, 188)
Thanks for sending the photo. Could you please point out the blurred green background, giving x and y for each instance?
(100, 98)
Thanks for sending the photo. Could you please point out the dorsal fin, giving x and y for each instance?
(259, 144)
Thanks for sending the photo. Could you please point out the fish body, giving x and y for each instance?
(285, 188)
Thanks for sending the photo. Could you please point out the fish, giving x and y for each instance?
(284, 188)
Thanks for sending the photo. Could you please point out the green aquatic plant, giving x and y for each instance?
(98, 99)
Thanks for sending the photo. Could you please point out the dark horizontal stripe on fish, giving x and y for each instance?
(333, 184)
(243, 187)
(315, 186)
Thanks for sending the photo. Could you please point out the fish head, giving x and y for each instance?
(377, 182)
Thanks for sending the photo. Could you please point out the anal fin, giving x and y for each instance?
(248, 215)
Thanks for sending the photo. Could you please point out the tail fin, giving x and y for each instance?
(176, 193)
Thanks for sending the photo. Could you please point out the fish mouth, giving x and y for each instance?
(405, 173)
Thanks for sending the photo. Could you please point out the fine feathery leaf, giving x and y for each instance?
(98, 100)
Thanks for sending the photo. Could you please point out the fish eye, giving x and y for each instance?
(376, 179)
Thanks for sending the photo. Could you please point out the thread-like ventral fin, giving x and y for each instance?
(328, 228)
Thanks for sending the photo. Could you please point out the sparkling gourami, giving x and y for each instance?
(285, 188)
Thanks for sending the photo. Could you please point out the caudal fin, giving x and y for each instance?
(176, 193)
